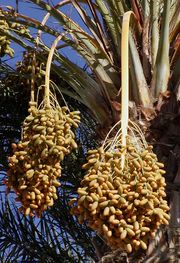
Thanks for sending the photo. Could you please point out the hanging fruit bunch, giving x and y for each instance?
(24, 72)
(4, 41)
(125, 206)
(47, 137)
(5, 26)
(24, 68)
(122, 194)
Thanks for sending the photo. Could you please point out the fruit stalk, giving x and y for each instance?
(48, 68)
(125, 80)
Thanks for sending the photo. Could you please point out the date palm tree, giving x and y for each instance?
(154, 77)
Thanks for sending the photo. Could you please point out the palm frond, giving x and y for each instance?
(161, 71)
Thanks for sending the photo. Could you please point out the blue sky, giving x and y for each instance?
(33, 11)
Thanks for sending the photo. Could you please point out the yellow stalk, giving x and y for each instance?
(125, 80)
(50, 56)
(33, 76)
(34, 58)
(48, 69)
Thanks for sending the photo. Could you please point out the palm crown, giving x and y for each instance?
(154, 33)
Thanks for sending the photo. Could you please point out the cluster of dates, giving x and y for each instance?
(35, 165)
(125, 206)
(6, 26)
